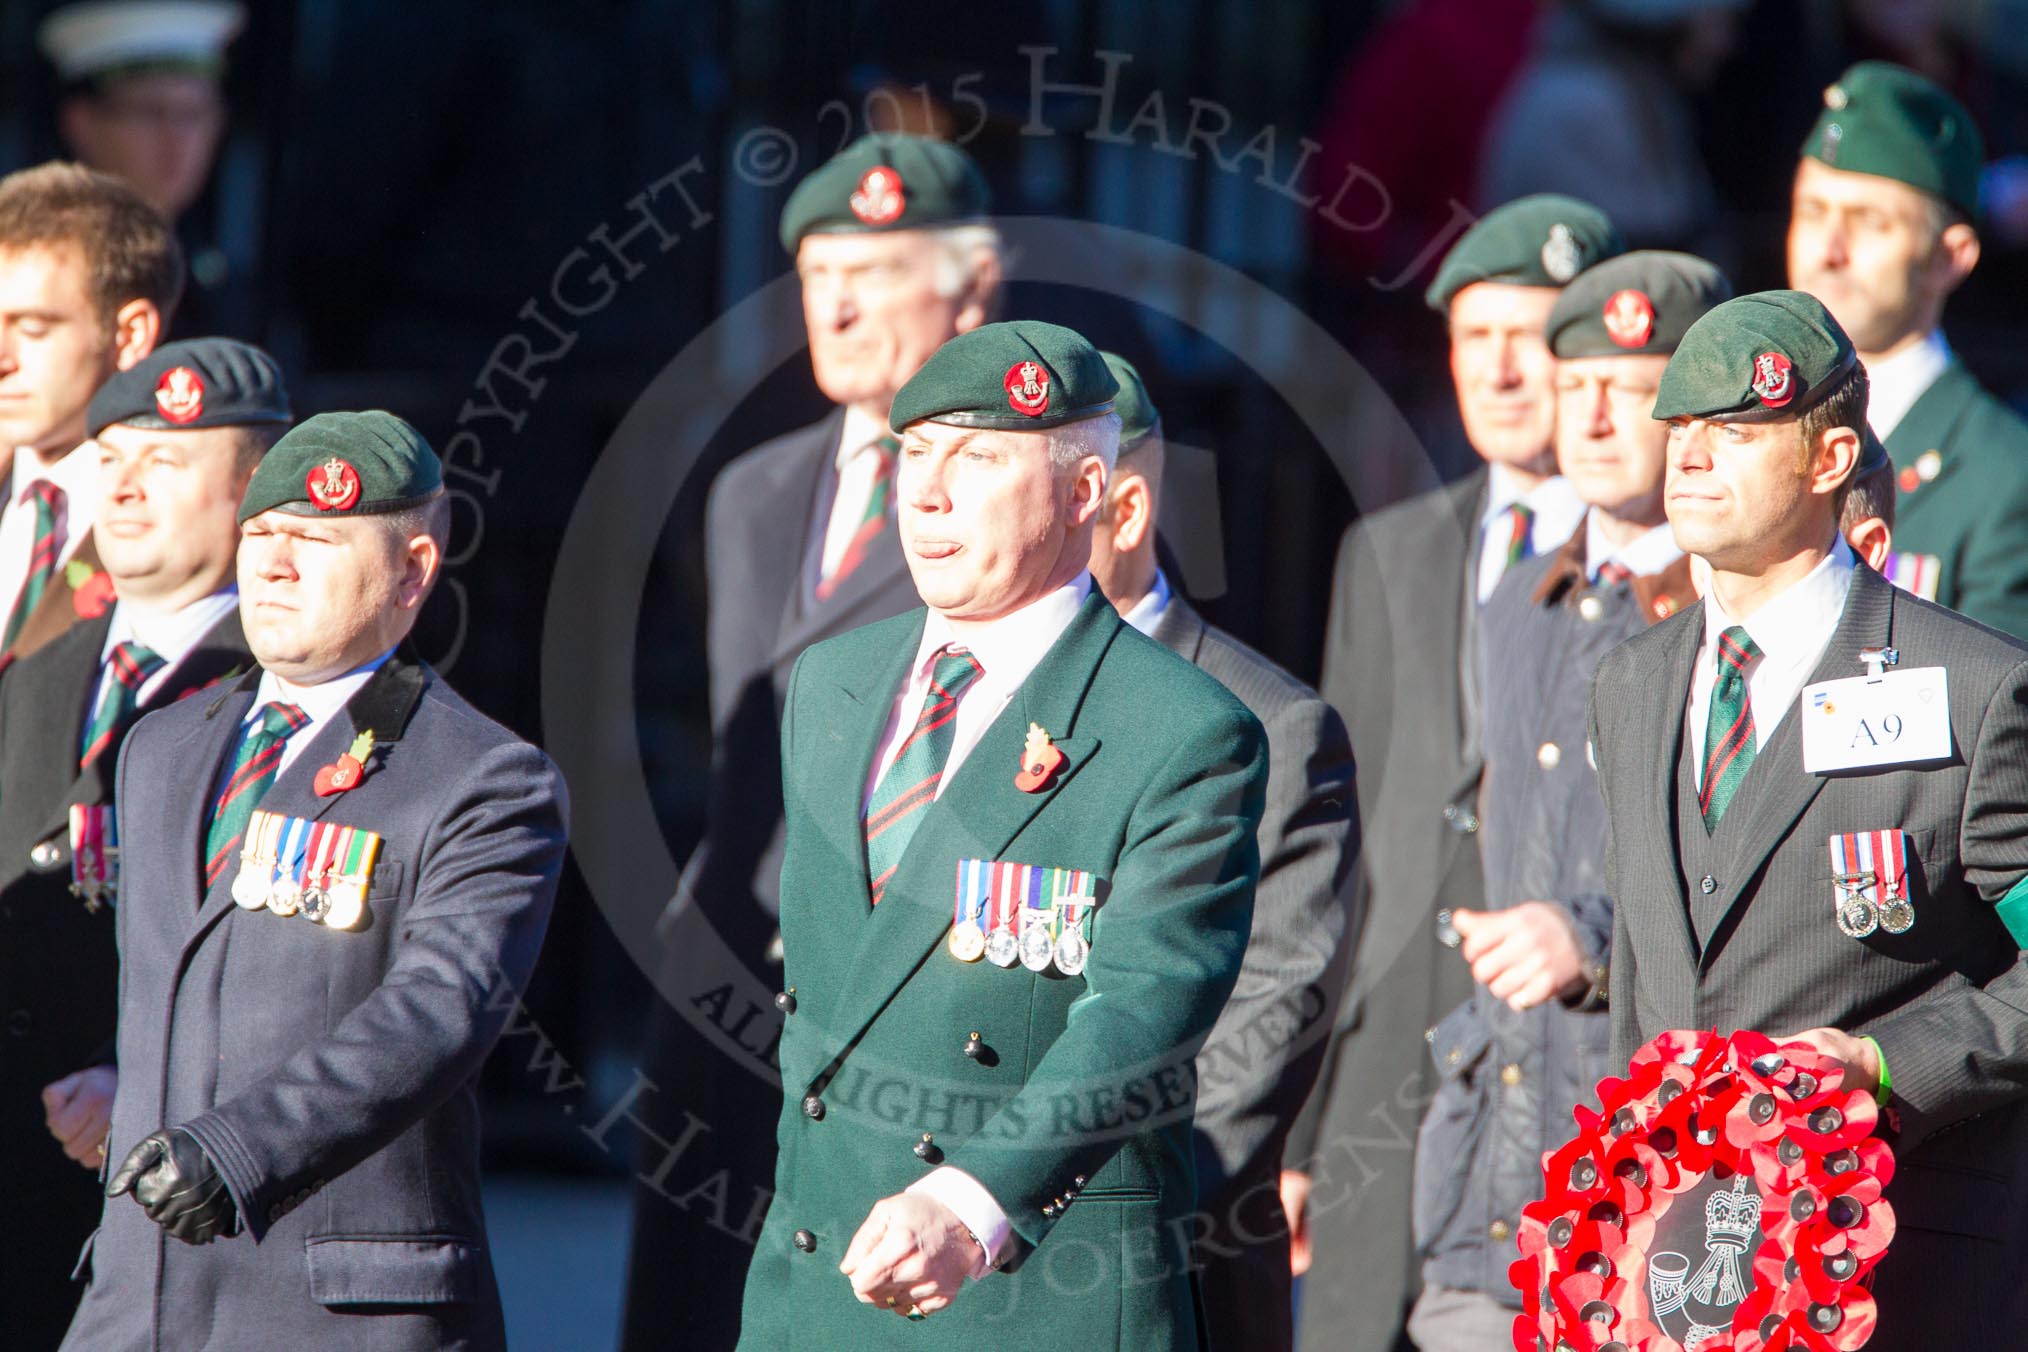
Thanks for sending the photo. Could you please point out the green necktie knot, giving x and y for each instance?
(1728, 730)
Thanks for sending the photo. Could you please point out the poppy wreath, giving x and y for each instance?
(1758, 1143)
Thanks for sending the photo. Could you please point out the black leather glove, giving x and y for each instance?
(178, 1186)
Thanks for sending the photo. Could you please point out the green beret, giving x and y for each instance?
(886, 181)
(1639, 304)
(1881, 119)
(1138, 414)
(193, 384)
(1544, 240)
(345, 464)
(1759, 358)
(1872, 454)
(1018, 376)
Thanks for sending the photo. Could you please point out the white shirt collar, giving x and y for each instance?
(860, 431)
(76, 472)
(1555, 502)
(1795, 624)
(1644, 556)
(1148, 611)
(318, 702)
(1895, 383)
(1011, 646)
(171, 636)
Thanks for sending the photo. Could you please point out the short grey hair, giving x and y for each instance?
(958, 247)
(1073, 441)
(431, 517)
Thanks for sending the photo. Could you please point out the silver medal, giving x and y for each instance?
(1037, 950)
(1070, 952)
(347, 906)
(285, 897)
(1897, 916)
(1002, 948)
(249, 889)
(1857, 917)
(316, 904)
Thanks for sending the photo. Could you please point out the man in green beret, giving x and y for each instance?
(1531, 1039)
(1261, 1059)
(336, 875)
(896, 256)
(1399, 665)
(154, 616)
(1883, 231)
(1016, 892)
(1818, 819)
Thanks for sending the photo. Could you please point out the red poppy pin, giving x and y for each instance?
(1040, 761)
(345, 772)
(91, 589)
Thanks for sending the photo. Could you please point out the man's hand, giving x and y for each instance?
(1523, 955)
(79, 1111)
(178, 1186)
(911, 1255)
(1296, 1205)
(1862, 1063)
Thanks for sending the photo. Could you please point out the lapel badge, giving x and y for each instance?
(333, 485)
(1928, 464)
(1773, 379)
(1040, 760)
(91, 589)
(880, 197)
(345, 772)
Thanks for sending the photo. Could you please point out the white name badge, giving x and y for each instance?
(1896, 718)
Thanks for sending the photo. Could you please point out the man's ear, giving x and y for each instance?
(1835, 461)
(1957, 252)
(1133, 511)
(1087, 490)
(424, 558)
(1872, 540)
(137, 328)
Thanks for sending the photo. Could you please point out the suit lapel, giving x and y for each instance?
(977, 816)
(1180, 628)
(382, 706)
(1929, 425)
(1658, 756)
(1781, 790)
(56, 613)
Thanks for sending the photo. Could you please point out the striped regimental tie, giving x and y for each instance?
(254, 767)
(1521, 533)
(49, 502)
(910, 784)
(1728, 729)
(127, 670)
(879, 510)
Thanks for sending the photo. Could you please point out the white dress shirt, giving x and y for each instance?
(1007, 651)
(1791, 632)
(1147, 612)
(1643, 556)
(319, 703)
(77, 474)
(1895, 383)
(1557, 509)
(857, 463)
(170, 637)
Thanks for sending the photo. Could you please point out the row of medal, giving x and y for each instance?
(294, 866)
(1032, 914)
(94, 854)
(1869, 871)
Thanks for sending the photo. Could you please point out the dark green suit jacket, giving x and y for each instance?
(1081, 1091)
(1972, 516)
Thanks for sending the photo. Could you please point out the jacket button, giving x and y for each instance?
(786, 1001)
(19, 1021)
(45, 855)
(1549, 755)
(804, 1240)
(813, 1108)
(1708, 885)
(1591, 608)
(1510, 1074)
(1468, 822)
(926, 1149)
(974, 1046)
(1049, 1209)
(1498, 1230)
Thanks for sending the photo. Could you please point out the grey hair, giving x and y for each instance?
(431, 517)
(1074, 441)
(957, 250)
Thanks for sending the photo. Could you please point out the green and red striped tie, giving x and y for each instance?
(254, 768)
(41, 558)
(872, 521)
(1728, 729)
(910, 784)
(127, 670)
(1521, 536)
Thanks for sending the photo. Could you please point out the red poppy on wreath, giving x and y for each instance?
(91, 589)
(333, 485)
(348, 770)
(1726, 1197)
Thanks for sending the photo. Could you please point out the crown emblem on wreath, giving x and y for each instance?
(1731, 1217)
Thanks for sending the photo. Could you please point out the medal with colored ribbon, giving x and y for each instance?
(1869, 875)
(968, 929)
(318, 858)
(347, 887)
(1073, 941)
(1003, 945)
(257, 861)
(1038, 944)
(285, 897)
(94, 853)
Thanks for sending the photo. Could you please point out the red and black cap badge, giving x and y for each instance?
(881, 196)
(179, 394)
(1629, 318)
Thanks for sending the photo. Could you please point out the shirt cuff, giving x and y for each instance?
(1886, 1089)
(975, 1209)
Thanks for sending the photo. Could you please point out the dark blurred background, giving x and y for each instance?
(404, 184)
